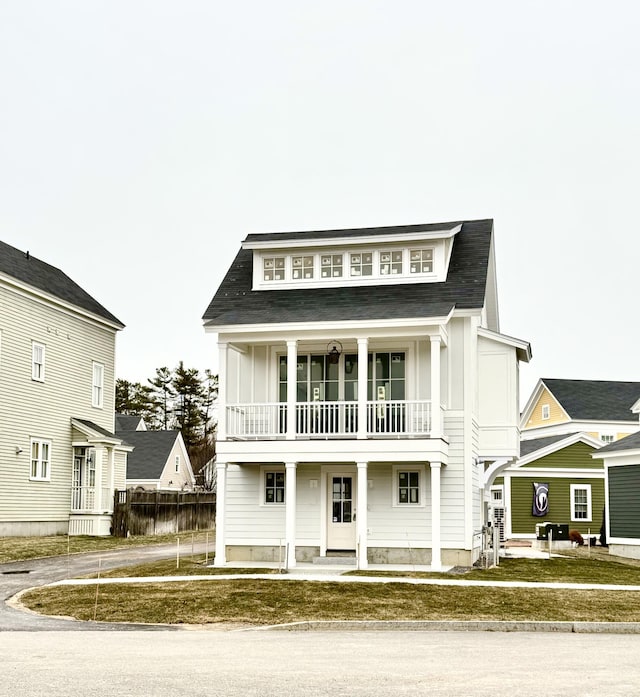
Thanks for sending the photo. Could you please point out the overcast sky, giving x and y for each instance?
(141, 141)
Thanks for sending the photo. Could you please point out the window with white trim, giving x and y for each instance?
(421, 260)
(274, 486)
(177, 463)
(331, 265)
(40, 459)
(580, 502)
(97, 385)
(546, 412)
(302, 267)
(607, 437)
(390, 263)
(37, 361)
(361, 263)
(273, 268)
(408, 487)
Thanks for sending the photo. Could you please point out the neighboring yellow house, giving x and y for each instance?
(604, 409)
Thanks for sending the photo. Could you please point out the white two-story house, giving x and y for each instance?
(59, 458)
(364, 384)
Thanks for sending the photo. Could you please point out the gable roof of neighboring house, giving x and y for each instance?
(534, 444)
(465, 287)
(151, 452)
(631, 442)
(33, 272)
(595, 400)
(124, 422)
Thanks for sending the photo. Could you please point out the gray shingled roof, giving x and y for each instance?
(47, 278)
(595, 400)
(631, 442)
(151, 451)
(98, 429)
(464, 288)
(124, 422)
(530, 446)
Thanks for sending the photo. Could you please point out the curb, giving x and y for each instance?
(454, 626)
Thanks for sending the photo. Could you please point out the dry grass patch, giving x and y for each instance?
(260, 602)
(20, 548)
(189, 566)
(565, 569)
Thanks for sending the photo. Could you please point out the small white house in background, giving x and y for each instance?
(159, 459)
(60, 460)
(622, 495)
(364, 382)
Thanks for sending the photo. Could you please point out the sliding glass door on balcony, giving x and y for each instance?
(327, 393)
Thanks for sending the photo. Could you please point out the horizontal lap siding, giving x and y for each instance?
(308, 505)
(523, 522)
(452, 487)
(44, 410)
(408, 525)
(624, 501)
(577, 455)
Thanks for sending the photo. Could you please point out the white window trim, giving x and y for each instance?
(34, 346)
(177, 464)
(546, 412)
(607, 437)
(396, 469)
(99, 402)
(262, 493)
(47, 474)
(577, 487)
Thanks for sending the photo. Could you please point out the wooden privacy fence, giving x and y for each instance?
(158, 512)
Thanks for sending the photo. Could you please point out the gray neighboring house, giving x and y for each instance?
(622, 495)
(60, 459)
(159, 459)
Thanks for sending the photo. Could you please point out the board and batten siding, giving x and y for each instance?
(32, 409)
(624, 501)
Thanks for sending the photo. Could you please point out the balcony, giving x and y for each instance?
(268, 421)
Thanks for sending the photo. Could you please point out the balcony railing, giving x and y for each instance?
(90, 499)
(267, 421)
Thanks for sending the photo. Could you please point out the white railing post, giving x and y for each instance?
(223, 349)
(292, 366)
(436, 417)
(363, 357)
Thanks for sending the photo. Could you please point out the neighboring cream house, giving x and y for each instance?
(59, 458)
(364, 382)
(159, 459)
(605, 409)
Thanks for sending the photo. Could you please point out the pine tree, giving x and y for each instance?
(189, 396)
(164, 393)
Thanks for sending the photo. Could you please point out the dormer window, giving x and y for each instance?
(421, 261)
(390, 263)
(361, 264)
(302, 267)
(331, 265)
(273, 268)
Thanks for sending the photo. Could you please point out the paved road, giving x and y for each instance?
(17, 576)
(53, 664)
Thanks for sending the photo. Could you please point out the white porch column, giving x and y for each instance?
(361, 513)
(290, 506)
(98, 504)
(110, 480)
(436, 554)
(436, 414)
(221, 493)
(363, 354)
(292, 365)
(223, 350)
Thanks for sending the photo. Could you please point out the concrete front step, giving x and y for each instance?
(336, 561)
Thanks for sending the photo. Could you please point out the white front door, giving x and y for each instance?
(341, 523)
